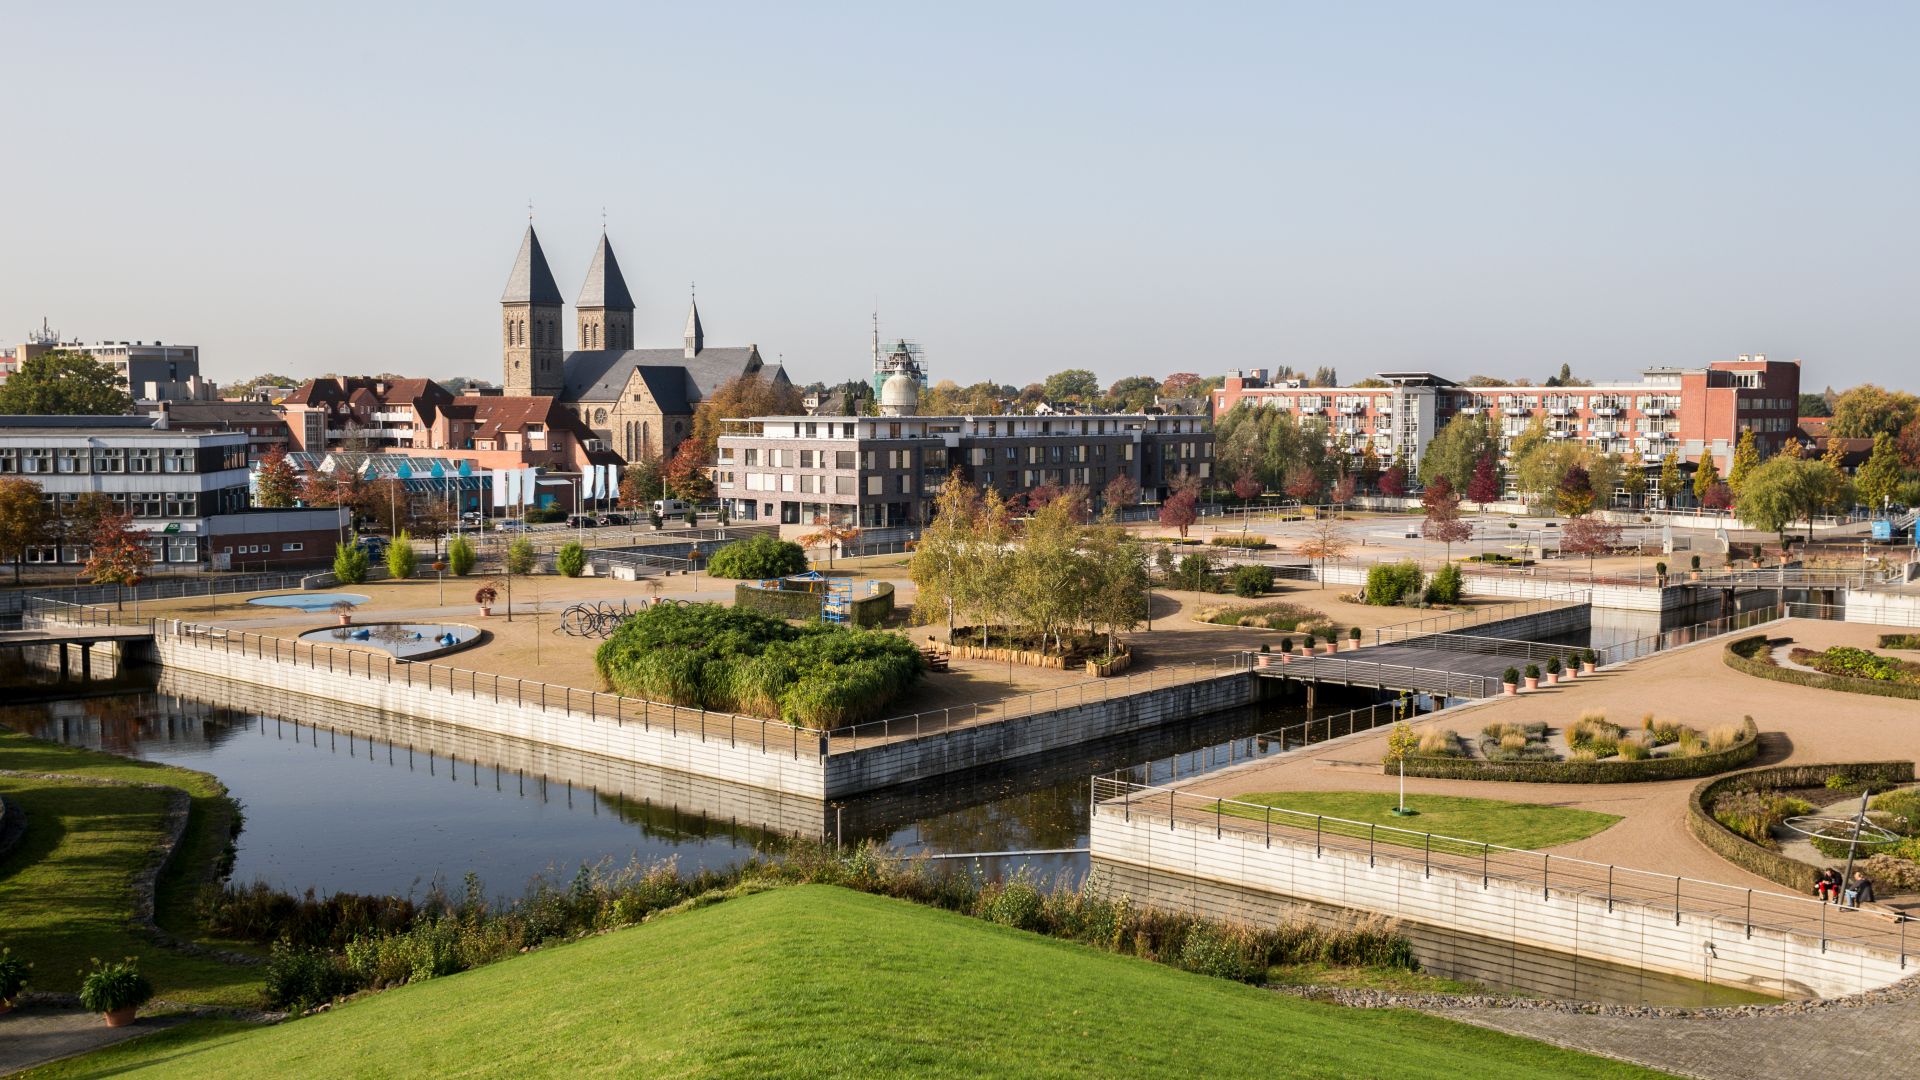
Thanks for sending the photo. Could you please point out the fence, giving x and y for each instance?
(170, 588)
(594, 706)
(1350, 672)
(1465, 617)
(1753, 910)
(1264, 744)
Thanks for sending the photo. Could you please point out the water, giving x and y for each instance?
(308, 601)
(409, 641)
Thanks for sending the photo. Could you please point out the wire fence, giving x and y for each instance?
(1884, 931)
(768, 736)
(168, 588)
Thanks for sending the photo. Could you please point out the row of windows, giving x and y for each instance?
(81, 460)
(545, 332)
(262, 549)
(162, 549)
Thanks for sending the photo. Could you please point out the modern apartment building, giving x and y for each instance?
(879, 472)
(1696, 412)
(148, 371)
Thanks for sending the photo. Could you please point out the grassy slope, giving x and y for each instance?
(1487, 821)
(818, 981)
(64, 891)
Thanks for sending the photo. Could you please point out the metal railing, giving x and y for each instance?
(1467, 617)
(768, 736)
(167, 588)
(1264, 744)
(1350, 672)
(1427, 853)
(932, 721)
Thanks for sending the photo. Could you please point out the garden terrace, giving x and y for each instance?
(1845, 668)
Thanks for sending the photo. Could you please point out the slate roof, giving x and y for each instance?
(531, 282)
(676, 382)
(605, 287)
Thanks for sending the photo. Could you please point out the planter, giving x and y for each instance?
(1532, 683)
(1114, 666)
(346, 620)
(1352, 645)
(1572, 673)
(1328, 648)
(1553, 678)
(1586, 667)
(1286, 658)
(120, 1017)
(486, 611)
(1509, 689)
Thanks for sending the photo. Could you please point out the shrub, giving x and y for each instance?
(1513, 742)
(1225, 952)
(1753, 857)
(461, 556)
(114, 986)
(1754, 814)
(1892, 872)
(1392, 583)
(1533, 671)
(1904, 807)
(571, 559)
(1631, 749)
(400, 557)
(13, 975)
(1446, 586)
(1248, 542)
(1536, 764)
(486, 594)
(1553, 665)
(1250, 581)
(1440, 743)
(1752, 656)
(545, 515)
(1511, 677)
(520, 556)
(1722, 737)
(760, 556)
(1014, 902)
(349, 564)
(300, 978)
(1900, 641)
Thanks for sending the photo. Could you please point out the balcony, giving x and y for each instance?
(1516, 410)
(1469, 410)
(1656, 410)
(1562, 433)
(1560, 410)
(1353, 410)
(1606, 410)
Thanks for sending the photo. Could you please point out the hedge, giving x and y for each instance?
(1743, 655)
(760, 556)
(784, 603)
(1750, 856)
(1590, 772)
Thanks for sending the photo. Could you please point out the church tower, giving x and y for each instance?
(531, 350)
(603, 315)
(696, 334)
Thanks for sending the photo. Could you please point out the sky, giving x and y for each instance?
(1022, 188)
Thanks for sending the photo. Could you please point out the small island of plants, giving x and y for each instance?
(1591, 750)
(729, 660)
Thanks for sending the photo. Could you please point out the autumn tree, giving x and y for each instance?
(1247, 489)
(1705, 475)
(1633, 483)
(1485, 485)
(25, 521)
(1393, 482)
(1786, 489)
(1670, 481)
(1326, 541)
(1574, 496)
(1343, 489)
(1443, 515)
(1121, 493)
(947, 560)
(275, 484)
(685, 474)
(1302, 484)
(1180, 511)
(119, 555)
(1746, 458)
(640, 483)
(1868, 410)
(1718, 497)
(1589, 535)
(1879, 478)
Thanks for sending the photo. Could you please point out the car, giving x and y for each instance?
(612, 518)
(582, 521)
(374, 546)
(669, 507)
(472, 517)
(510, 525)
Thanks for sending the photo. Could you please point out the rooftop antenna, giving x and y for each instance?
(603, 220)
(529, 211)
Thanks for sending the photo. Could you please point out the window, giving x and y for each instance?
(183, 504)
(843, 459)
(183, 549)
(9, 460)
(294, 545)
(874, 485)
(36, 460)
(71, 460)
(750, 457)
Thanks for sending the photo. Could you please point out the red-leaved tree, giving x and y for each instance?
(1393, 482)
(1590, 535)
(1180, 511)
(1443, 515)
(1302, 484)
(1247, 489)
(1485, 485)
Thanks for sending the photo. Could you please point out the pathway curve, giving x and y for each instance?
(33, 1035)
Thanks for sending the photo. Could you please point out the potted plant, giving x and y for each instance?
(13, 979)
(1589, 662)
(115, 991)
(1510, 682)
(1570, 667)
(1693, 571)
(484, 596)
(1553, 670)
(342, 610)
(1306, 646)
(1353, 638)
(1286, 650)
(1660, 573)
(1533, 676)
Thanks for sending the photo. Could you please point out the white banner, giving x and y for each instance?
(613, 480)
(526, 486)
(591, 480)
(500, 488)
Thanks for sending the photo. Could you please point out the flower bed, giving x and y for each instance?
(1272, 615)
(1250, 543)
(1754, 655)
(1532, 766)
(1754, 857)
(1025, 648)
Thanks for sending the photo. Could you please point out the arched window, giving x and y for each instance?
(599, 416)
(646, 434)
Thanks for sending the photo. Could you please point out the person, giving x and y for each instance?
(1859, 890)
(1827, 885)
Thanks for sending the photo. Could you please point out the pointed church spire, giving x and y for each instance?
(605, 287)
(531, 282)
(696, 336)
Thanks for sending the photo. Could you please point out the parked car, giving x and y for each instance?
(472, 517)
(615, 518)
(510, 525)
(583, 521)
(374, 546)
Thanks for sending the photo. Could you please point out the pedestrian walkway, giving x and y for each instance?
(34, 1035)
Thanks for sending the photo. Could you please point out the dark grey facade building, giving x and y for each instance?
(886, 471)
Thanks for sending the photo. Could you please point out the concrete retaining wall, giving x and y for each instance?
(886, 764)
(1629, 935)
(783, 765)
(1883, 608)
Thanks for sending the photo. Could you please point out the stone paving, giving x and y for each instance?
(34, 1035)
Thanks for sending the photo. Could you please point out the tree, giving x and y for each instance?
(1485, 485)
(1456, 450)
(1589, 535)
(1343, 489)
(461, 556)
(640, 484)
(1132, 394)
(25, 520)
(1746, 458)
(1393, 482)
(1574, 496)
(946, 561)
(1443, 515)
(388, 503)
(1121, 492)
(120, 555)
(686, 474)
(1182, 384)
(349, 564)
(1603, 477)
(1867, 410)
(571, 559)
(1247, 489)
(275, 484)
(833, 535)
(1705, 475)
(1815, 405)
(1718, 497)
(1073, 384)
(1180, 511)
(1326, 541)
(1116, 567)
(400, 557)
(735, 399)
(1670, 484)
(1909, 444)
(1633, 483)
(63, 383)
(521, 558)
(1879, 478)
(1302, 484)
(1786, 489)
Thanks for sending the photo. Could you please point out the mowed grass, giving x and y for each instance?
(66, 891)
(816, 981)
(1480, 821)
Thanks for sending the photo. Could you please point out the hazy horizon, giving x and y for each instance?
(1474, 189)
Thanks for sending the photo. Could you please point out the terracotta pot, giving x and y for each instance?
(1586, 667)
(1328, 648)
(346, 619)
(1532, 683)
(1286, 658)
(485, 611)
(1553, 678)
(5, 1007)
(120, 1017)
(1509, 689)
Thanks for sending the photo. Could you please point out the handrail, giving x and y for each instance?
(1488, 861)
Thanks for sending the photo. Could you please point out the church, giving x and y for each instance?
(637, 402)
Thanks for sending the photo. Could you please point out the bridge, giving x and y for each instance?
(63, 636)
(1444, 665)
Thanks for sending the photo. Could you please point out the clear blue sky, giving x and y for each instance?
(1027, 187)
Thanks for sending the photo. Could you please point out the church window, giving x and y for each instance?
(600, 416)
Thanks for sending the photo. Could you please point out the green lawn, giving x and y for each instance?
(1482, 821)
(65, 891)
(819, 981)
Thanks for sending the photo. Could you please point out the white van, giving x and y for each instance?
(668, 508)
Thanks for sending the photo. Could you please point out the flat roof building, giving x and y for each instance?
(881, 472)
